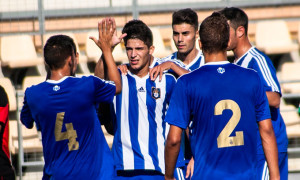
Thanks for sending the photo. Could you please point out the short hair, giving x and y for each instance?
(214, 33)
(137, 29)
(57, 49)
(187, 16)
(237, 17)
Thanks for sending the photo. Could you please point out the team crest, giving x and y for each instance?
(155, 92)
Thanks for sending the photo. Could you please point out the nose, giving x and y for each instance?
(133, 53)
(180, 37)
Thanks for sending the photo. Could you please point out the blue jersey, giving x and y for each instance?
(225, 110)
(195, 64)
(139, 139)
(74, 145)
(262, 64)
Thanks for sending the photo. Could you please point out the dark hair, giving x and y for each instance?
(57, 49)
(187, 16)
(214, 33)
(137, 29)
(237, 17)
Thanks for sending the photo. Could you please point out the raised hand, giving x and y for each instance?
(106, 29)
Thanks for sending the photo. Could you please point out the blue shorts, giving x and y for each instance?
(179, 173)
(262, 168)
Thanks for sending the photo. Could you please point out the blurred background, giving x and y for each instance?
(25, 25)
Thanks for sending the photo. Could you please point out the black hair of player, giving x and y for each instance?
(187, 16)
(214, 33)
(137, 29)
(236, 17)
(57, 49)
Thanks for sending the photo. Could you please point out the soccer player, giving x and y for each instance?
(140, 130)
(6, 170)
(63, 108)
(248, 56)
(185, 34)
(226, 110)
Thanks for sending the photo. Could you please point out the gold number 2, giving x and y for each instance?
(70, 134)
(224, 139)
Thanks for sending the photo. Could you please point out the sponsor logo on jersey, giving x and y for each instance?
(141, 89)
(56, 88)
(155, 92)
(221, 70)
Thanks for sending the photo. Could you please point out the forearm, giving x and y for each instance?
(178, 70)
(112, 70)
(270, 147)
(171, 154)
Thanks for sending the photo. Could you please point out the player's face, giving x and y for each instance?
(184, 36)
(139, 55)
(233, 39)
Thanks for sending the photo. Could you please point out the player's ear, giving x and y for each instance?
(151, 49)
(200, 44)
(240, 31)
(197, 34)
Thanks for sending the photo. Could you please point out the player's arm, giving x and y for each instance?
(159, 69)
(171, 150)
(273, 98)
(26, 117)
(270, 147)
(107, 29)
(107, 116)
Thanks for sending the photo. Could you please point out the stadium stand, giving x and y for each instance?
(160, 50)
(91, 49)
(31, 142)
(119, 54)
(18, 51)
(32, 80)
(290, 79)
(291, 118)
(273, 37)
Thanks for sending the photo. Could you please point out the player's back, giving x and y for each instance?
(225, 108)
(73, 142)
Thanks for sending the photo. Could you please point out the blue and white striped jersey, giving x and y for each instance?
(195, 64)
(261, 63)
(140, 135)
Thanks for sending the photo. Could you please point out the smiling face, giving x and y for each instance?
(184, 36)
(139, 56)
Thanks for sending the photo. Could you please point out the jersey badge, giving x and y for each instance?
(221, 70)
(155, 92)
(56, 88)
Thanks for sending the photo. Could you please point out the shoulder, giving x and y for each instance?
(3, 97)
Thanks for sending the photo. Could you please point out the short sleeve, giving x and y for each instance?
(26, 117)
(178, 113)
(104, 90)
(261, 104)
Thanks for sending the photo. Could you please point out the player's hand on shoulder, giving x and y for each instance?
(159, 70)
(123, 68)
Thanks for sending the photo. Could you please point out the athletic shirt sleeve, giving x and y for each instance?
(104, 90)
(171, 82)
(261, 104)
(267, 74)
(26, 117)
(178, 113)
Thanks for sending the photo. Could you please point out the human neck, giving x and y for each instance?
(187, 58)
(242, 47)
(60, 73)
(215, 57)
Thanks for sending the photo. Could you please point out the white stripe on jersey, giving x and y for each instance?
(265, 70)
(128, 156)
(158, 119)
(265, 173)
(143, 125)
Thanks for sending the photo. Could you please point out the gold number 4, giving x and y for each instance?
(70, 134)
(224, 139)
